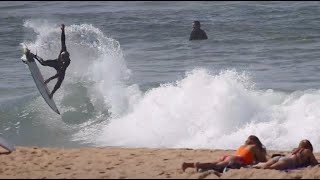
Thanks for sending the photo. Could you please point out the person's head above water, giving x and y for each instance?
(196, 25)
(197, 33)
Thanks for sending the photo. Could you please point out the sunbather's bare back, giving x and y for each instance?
(305, 157)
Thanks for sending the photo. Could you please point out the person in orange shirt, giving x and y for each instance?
(252, 152)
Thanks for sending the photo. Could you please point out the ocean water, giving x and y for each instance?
(135, 80)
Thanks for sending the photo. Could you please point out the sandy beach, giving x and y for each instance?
(109, 162)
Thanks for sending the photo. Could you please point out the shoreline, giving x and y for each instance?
(115, 162)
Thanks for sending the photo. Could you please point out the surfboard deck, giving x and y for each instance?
(7, 145)
(28, 58)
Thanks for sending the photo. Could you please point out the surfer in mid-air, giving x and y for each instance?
(60, 64)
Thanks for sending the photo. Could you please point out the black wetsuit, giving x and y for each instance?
(198, 34)
(58, 64)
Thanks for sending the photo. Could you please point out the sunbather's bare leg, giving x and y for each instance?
(187, 165)
(205, 166)
(217, 173)
(218, 166)
(280, 165)
(264, 165)
(258, 166)
(269, 164)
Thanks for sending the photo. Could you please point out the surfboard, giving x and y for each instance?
(28, 58)
(7, 145)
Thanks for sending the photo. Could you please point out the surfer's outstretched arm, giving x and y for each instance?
(63, 39)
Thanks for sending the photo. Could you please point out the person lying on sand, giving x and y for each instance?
(252, 152)
(300, 157)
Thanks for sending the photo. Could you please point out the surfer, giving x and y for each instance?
(197, 33)
(60, 64)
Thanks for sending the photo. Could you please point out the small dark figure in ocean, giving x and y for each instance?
(60, 64)
(197, 33)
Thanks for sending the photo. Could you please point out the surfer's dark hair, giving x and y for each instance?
(197, 23)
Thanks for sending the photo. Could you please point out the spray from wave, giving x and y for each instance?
(94, 89)
(216, 111)
(203, 110)
(96, 61)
